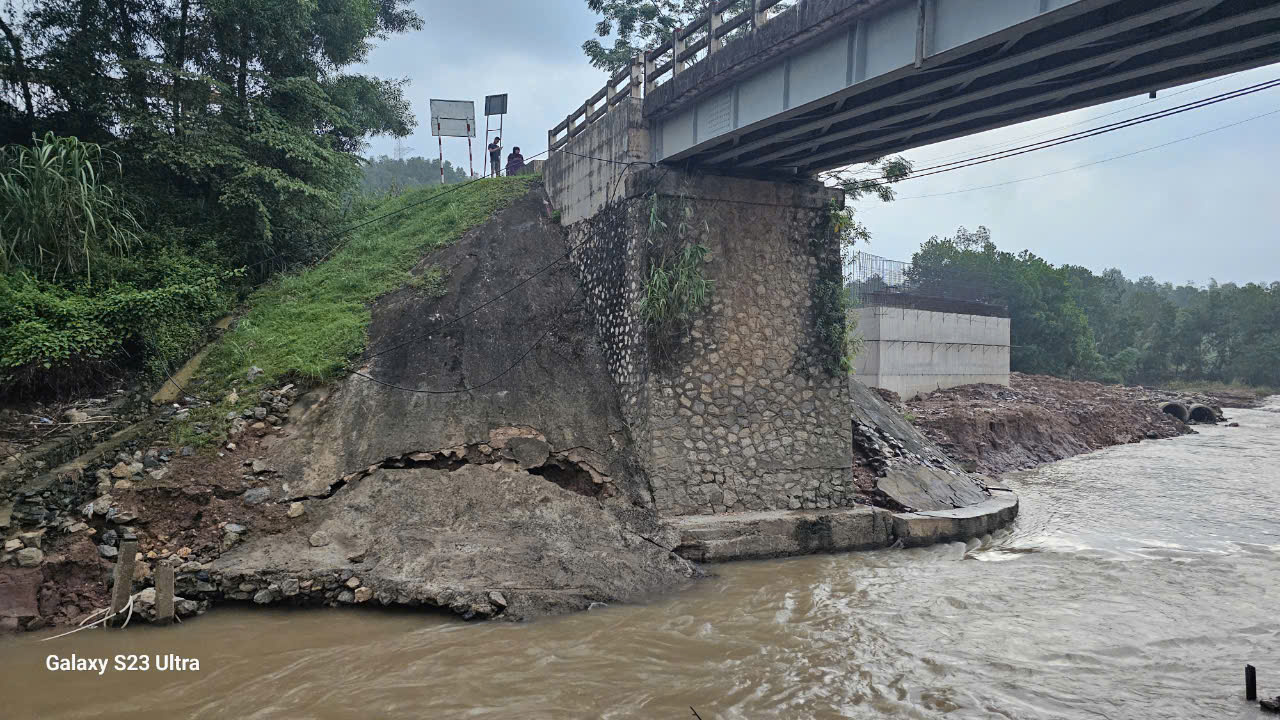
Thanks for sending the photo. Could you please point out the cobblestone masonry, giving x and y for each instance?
(745, 417)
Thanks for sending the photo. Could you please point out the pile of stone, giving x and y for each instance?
(327, 588)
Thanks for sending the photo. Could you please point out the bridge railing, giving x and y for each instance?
(631, 78)
(707, 32)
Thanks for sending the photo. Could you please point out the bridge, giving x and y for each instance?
(713, 138)
(829, 83)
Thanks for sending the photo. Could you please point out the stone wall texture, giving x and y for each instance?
(744, 414)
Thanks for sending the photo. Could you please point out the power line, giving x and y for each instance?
(1094, 132)
(1095, 162)
(1056, 128)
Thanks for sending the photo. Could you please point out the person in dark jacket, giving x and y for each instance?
(495, 155)
(515, 161)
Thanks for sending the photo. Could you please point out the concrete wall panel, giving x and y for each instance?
(891, 39)
(912, 351)
(715, 115)
(758, 97)
(677, 131)
(958, 23)
(820, 71)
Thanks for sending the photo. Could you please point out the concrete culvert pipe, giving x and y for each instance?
(1203, 413)
(1176, 409)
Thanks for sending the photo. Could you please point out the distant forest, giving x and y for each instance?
(385, 174)
(1069, 322)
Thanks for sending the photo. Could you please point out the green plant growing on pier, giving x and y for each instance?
(676, 287)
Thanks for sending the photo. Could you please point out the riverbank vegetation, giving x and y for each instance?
(162, 160)
(1069, 322)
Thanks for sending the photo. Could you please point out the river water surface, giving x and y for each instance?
(1136, 583)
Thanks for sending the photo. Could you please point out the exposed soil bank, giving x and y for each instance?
(1039, 419)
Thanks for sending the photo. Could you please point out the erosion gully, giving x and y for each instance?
(1136, 583)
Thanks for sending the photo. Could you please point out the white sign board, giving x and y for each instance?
(453, 118)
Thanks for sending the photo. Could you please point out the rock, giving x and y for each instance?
(30, 557)
(1272, 705)
(187, 451)
(289, 587)
(529, 452)
(183, 552)
(254, 371)
(295, 510)
(151, 460)
(262, 597)
(363, 594)
(135, 468)
(256, 496)
(77, 527)
(125, 516)
(187, 607)
(497, 598)
(75, 416)
(121, 470)
(123, 485)
(597, 606)
(158, 474)
(231, 446)
(1233, 424)
(260, 413)
(145, 602)
(259, 426)
(319, 539)
(259, 466)
(233, 528)
(346, 596)
(182, 414)
(108, 552)
(110, 537)
(13, 545)
(229, 540)
(353, 582)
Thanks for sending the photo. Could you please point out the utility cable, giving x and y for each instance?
(1094, 132)
(1095, 162)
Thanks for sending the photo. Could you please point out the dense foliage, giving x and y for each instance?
(389, 175)
(205, 137)
(1069, 322)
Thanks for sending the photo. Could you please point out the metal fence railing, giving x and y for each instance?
(877, 281)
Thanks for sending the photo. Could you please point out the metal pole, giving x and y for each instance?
(501, 118)
(441, 139)
(1250, 683)
(471, 163)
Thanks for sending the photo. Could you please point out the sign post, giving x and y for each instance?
(494, 105)
(453, 118)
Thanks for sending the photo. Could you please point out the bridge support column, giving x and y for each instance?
(744, 407)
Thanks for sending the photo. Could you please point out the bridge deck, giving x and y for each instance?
(833, 82)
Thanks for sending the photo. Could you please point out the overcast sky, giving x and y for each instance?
(1205, 208)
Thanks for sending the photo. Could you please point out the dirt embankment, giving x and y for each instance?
(1039, 419)
(485, 468)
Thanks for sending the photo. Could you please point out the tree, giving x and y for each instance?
(640, 25)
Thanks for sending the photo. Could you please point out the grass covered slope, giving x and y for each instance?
(305, 327)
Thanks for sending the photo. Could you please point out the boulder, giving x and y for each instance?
(29, 557)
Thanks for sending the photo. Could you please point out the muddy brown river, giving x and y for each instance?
(1137, 583)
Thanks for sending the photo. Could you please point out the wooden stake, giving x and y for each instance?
(1250, 683)
(123, 586)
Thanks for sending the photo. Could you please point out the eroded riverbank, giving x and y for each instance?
(1134, 584)
(1040, 419)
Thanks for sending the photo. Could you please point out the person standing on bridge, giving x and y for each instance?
(495, 155)
(515, 162)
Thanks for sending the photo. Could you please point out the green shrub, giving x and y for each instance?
(57, 215)
(676, 289)
(57, 339)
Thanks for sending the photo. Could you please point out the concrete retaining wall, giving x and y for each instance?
(583, 176)
(912, 351)
(758, 535)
